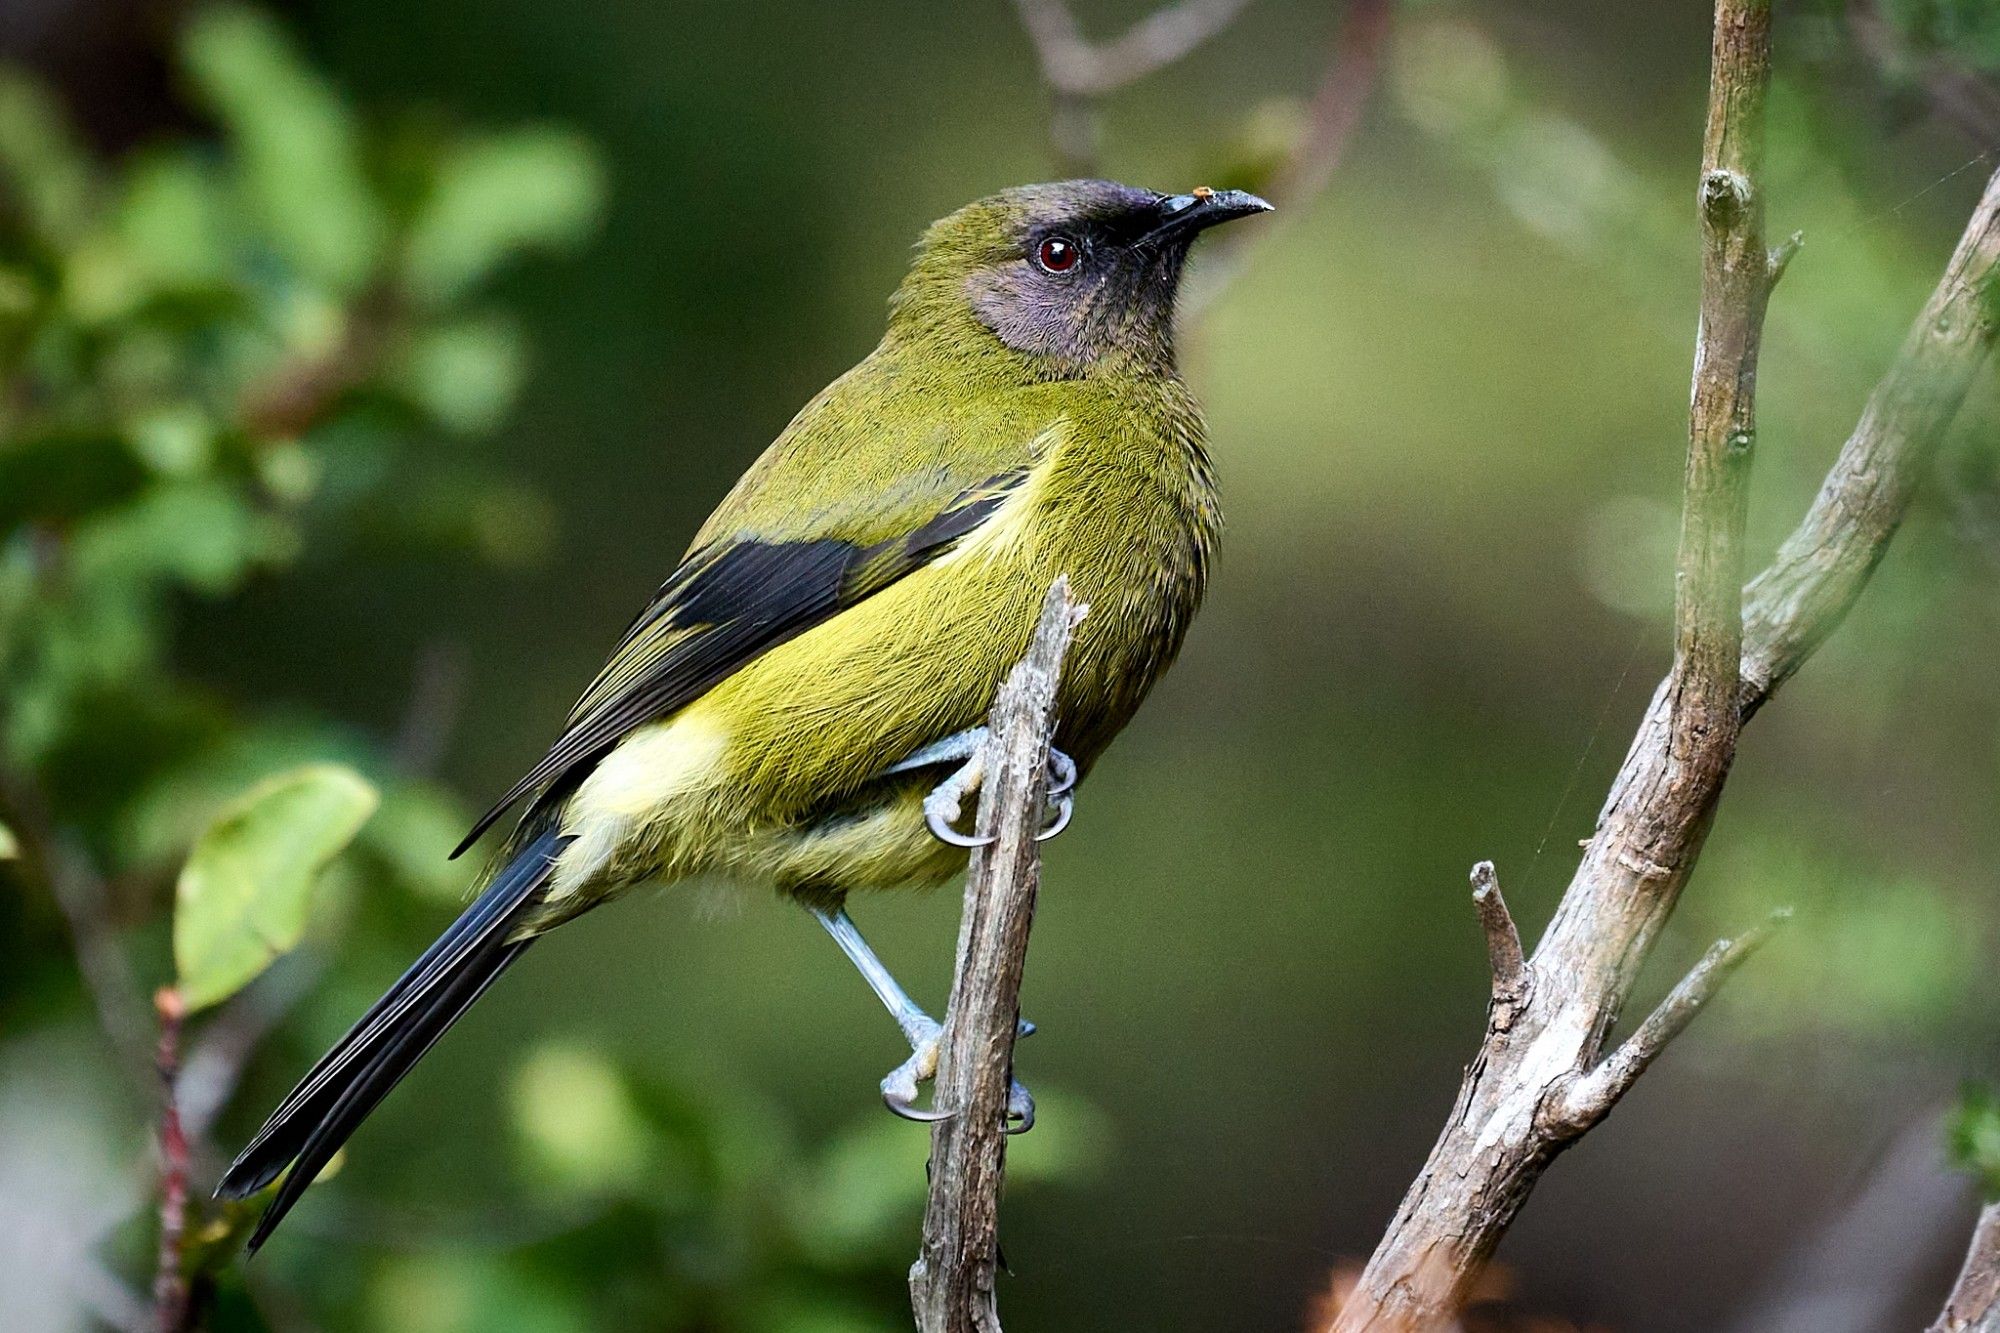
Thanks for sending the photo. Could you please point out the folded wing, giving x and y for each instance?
(728, 602)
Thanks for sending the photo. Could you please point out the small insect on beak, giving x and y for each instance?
(1202, 208)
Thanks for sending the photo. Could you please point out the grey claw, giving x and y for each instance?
(1062, 773)
(899, 1088)
(946, 803)
(1020, 1107)
(922, 1117)
(900, 1085)
(1065, 808)
(938, 820)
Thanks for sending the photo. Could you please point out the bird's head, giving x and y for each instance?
(1072, 274)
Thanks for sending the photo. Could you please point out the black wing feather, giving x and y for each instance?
(722, 609)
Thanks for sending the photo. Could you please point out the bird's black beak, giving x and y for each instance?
(1185, 214)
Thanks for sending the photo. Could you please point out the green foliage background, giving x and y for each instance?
(361, 368)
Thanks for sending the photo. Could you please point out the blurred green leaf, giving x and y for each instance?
(298, 148)
(20, 293)
(493, 199)
(41, 163)
(171, 220)
(1450, 76)
(1625, 554)
(465, 374)
(1262, 148)
(1873, 951)
(10, 846)
(1974, 1136)
(577, 1119)
(289, 470)
(867, 1187)
(243, 896)
(226, 1223)
(1966, 29)
(165, 817)
(176, 440)
(447, 1292)
(459, 511)
(100, 283)
(413, 833)
(201, 533)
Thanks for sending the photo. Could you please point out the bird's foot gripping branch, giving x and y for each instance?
(946, 802)
(951, 1284)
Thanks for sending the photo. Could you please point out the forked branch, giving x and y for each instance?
(1547, 1074)
(1582, 1101)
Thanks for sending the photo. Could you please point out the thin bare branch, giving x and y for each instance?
(1782, 255)
(1852, 1270)
(212, 1067)
(1826, 561)
(173, 1296)
(1732, 648)
(437, 693)
(951, 1284)
(1974, 1306)
(1584, 1100)
(1957, 95)
(1074, 65)
(1722, 425)
(1080, 72)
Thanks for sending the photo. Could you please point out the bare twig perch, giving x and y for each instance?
(1080, 72)
(1544, 1074)
(57, 861)
(951, 1284)
(1974, 1306)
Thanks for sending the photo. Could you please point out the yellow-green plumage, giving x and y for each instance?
(858, 596)
(763, 775)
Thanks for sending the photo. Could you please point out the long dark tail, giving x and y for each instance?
(350, 1080)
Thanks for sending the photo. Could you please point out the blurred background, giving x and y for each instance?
(364, 366)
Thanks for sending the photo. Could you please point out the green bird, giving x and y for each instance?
(799, 704)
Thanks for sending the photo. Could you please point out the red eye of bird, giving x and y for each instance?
(1058, 254)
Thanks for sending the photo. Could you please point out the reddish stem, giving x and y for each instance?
(172, 1297)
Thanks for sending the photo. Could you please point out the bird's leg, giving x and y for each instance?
(899, 1088)
(946, 802)
(919, 1028)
